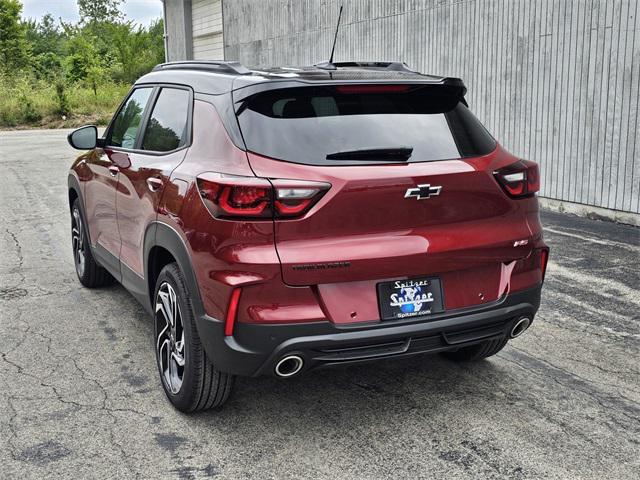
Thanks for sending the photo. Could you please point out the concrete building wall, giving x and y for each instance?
(554, 80)
(177, 27)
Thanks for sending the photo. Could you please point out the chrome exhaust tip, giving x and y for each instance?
(520, 326)
(288, 366)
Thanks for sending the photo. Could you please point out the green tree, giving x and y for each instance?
(156, 40)
(50, 68)
(81, 56)
(99, 11)
(95, 77)
(47, 42)
(44, 36)
(132, 50)
(14, 49)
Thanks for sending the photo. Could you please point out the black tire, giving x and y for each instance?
(202, 386)
(478, 351)
(90, 274)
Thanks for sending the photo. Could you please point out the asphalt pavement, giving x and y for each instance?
(80, 396)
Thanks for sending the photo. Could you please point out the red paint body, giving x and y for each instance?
(465, 236)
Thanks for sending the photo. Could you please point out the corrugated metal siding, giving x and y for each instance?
(207, 29)
(555, 80)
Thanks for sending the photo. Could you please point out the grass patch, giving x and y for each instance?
(47, 105)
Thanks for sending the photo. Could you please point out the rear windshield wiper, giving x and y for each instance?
(395, 154)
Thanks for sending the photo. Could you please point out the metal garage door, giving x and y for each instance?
(206, 18)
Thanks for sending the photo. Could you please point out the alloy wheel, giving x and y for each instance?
(170, 341)
(77, 240)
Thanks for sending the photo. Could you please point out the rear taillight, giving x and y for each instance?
(519, 179)
(293, 198)
(260, 198)
(228, 196)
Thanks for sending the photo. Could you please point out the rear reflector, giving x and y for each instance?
(520, 179)
(536, 260)
(232, 312)
(259, 198)
(544, 258)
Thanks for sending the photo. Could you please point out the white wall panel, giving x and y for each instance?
(207, 29)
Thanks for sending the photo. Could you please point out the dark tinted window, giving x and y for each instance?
(306, 124)
(127, 122)
(167, 126)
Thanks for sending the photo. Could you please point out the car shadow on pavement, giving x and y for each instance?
(338, 399)
(370, 393)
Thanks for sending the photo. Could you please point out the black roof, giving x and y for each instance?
(216, 77)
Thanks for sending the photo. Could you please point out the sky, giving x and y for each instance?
(140, 11)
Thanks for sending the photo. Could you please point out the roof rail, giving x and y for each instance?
(393, 66)
(220, 66)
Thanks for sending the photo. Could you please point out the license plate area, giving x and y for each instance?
(415, 297)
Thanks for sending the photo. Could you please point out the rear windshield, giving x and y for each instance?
(353, 124)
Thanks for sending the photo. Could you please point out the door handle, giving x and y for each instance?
(113, 170)
(154, 183)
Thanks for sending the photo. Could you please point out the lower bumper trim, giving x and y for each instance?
(255, 349)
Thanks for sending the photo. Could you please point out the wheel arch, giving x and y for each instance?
(73, 195)
(75, 192)
(163, 245)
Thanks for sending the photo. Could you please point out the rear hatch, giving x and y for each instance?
(412, 187)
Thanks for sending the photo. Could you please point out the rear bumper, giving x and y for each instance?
(254, 349)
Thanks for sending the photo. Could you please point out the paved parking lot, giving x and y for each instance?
(80, 397)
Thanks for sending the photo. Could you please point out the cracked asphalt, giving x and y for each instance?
(80, 397)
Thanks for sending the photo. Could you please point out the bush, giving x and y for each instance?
(61, 96)
(8, 119)
(54, 73)
(28, 111)
(41, 103)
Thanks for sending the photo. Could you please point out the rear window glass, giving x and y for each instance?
(309, 124)
(167, 126)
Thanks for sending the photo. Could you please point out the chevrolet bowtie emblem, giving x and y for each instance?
(422, 192)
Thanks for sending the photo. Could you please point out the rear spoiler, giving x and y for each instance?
(243, 93)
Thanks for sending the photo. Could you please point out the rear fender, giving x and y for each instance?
(162, 235)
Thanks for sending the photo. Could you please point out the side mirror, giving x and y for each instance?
(84, 138)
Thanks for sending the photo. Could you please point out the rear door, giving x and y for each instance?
(159, 148)
(412, 189)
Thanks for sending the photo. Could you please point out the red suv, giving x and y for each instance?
(281, 220)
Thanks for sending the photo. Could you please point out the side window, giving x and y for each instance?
(167, 126)
(127, 122)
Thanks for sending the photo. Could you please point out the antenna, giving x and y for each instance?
(329, 65)
(333, 48)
